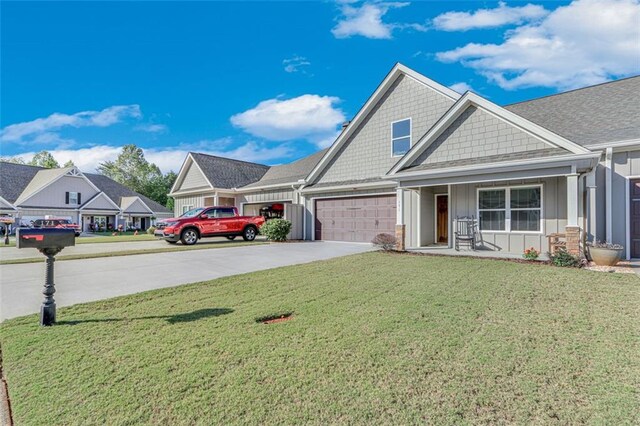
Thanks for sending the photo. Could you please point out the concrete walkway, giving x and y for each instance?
(87, 280)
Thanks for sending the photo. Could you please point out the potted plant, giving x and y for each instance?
(605, 254)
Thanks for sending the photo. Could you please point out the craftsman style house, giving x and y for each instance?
(418, 155)
(94, 201)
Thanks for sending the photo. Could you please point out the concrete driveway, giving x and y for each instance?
(87, 280)
(11, 253)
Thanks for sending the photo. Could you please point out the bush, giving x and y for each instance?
(276, 229)
(531, 254)
(565, 259)
(151, 230)
(604, 245)
(386, 242)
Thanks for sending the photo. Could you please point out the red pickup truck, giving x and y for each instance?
(209, 222)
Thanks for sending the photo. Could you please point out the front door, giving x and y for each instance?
(442, 219)
(634, 217)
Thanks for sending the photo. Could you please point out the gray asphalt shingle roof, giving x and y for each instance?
(116, 191)
(228, 173)
(289, 173)
(592, 115)
(14, 178)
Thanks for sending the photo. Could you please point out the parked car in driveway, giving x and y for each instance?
(57, 223)
(209, 222)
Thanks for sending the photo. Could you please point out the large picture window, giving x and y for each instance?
(400, 137)
(510, 209)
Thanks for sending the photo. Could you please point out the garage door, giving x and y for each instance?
(357, 219)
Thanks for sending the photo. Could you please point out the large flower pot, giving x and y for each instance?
(605, 256)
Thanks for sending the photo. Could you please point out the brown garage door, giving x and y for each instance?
(357, 219)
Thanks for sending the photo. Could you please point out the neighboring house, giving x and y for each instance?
(29, 193)
(418, 155)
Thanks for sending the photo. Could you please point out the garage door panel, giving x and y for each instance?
(356, 219)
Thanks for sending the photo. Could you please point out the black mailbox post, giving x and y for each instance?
(49, 242)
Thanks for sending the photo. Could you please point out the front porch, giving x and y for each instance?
(510, 216)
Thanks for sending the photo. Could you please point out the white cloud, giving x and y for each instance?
(310, 117)
(47, 126)
(488, 18)
(586, 42)
(461, 87)
(296, 64)
(88, 159)
(366, 20)
(151, 128)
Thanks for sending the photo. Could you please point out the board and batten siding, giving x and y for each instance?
(367, 153)
(54, 195)
(624, 164)
(191, 200)
(554, 203)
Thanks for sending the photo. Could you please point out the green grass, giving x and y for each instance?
(201, 245)
(375, 338)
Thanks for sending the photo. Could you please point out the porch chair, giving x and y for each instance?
(466, 230)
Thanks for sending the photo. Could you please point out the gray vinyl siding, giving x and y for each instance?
(193, 179)
(554, 203)
(136, 207)
(309, 201)
(474, 134)
(54, 195)
(99, 203)
(367, 153)
(625, 164)
(462, 201)
(192, 200)
(266, 196)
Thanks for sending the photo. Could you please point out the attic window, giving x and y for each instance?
(400, 137)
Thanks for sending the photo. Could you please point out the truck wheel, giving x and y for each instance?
(189, 237)
(231, 237)
(249, 233)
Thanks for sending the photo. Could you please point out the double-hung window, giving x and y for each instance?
(510, 209)
(400, 137)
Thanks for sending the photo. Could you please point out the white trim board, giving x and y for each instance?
(471, 99)
(182, 172)
(95, 197)
(70, 171)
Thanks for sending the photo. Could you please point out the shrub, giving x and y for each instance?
(276, 229)
(531, 254)
(151, 230)
(565, 259)
(386, 242)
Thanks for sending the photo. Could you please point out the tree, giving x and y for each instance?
(134, 171)
(44, 159)
(14, 160)
(69, 164)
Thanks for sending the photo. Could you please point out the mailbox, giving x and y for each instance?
(48, 238)
(48, 241)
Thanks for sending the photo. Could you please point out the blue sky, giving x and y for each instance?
(271, 82)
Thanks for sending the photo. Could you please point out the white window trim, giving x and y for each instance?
(75, 202)
(190, 207)
(507, 209)
(410, 136)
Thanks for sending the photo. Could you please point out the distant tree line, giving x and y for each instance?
(130, 168)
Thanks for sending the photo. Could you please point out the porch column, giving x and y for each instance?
(591, 205)
(573, 228)
(215, 199)
(400, 226)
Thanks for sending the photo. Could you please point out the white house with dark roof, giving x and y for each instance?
(418, 155)
(29, 193)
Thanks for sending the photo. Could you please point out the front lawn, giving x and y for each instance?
(374, 338)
